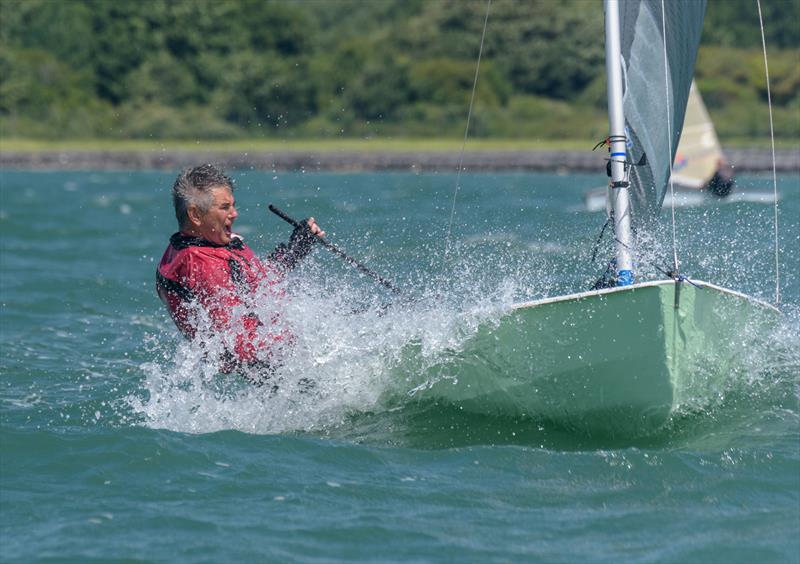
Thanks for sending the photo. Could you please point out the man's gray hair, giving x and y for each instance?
(193, 188)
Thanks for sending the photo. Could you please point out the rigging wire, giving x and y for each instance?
(669, 138)
(466, 133)
(774, 171)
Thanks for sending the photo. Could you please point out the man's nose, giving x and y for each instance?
(234, 213)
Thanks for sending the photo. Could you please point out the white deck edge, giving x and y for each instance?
(617, 289)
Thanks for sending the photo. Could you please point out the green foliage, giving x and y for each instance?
(161, 79)
(265, 92)
(733, 83)
(544, 118)
(735, 23)
(63, 29)
(378, 90)
(243, 68)
(41, 96)
(157, 121)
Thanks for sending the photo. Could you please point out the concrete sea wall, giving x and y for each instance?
(743, 160)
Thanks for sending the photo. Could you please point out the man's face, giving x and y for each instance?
(215, 225)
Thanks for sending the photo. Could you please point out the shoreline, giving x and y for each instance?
(743, 160)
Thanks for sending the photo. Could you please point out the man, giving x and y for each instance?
(211, 281)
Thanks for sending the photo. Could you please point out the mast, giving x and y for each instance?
(618, 186)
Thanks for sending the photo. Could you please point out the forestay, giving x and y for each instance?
(654, 111)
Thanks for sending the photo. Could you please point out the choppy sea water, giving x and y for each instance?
(117, 443)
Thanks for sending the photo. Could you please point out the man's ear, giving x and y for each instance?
(193, 213)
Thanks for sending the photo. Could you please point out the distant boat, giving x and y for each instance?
(699, 163)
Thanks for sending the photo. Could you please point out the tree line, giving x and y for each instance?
(187, 69)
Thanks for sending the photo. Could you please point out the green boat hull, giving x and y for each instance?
(615, 361)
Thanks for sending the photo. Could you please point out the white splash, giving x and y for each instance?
(342, 361)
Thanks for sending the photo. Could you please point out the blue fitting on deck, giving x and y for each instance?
(624, 278)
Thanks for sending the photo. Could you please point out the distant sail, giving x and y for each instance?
(699, 156)
(654, 111)
(700, 163)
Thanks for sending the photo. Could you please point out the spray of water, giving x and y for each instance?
(352, 351)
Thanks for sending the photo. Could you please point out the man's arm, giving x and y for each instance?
(300, 244)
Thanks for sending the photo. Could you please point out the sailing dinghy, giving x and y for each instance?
(618, 360)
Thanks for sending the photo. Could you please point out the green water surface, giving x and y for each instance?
(116, 443)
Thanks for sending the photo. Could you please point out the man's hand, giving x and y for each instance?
(314, 228)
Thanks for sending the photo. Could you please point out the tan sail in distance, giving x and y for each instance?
(699, 163)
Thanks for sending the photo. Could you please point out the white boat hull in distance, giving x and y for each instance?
(614, 362)
(685, 197)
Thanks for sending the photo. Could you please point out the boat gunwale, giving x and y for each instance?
(653, 283)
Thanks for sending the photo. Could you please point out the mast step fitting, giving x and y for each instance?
(624, 278)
